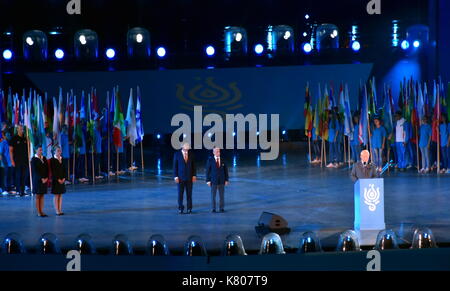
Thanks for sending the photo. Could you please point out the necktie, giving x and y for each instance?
(185, 156)
(218, 162)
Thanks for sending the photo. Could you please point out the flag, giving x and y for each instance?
(131, 120)
(363, 121)
(118, 123)
(56, 135)
(307, 112)
(348, 127)
(387, 110)
(139, 125)
(317, 115)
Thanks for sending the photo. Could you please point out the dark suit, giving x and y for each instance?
(184, 170)
(40, 171)
(217, 174)
(361, 171)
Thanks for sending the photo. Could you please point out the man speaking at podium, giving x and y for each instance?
(363, 169)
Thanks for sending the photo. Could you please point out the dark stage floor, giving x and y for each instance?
(310, 198)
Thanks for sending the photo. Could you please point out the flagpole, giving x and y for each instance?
(93, 167)
(142, 155)
(321, 155)
(132, 158)
(348, 147)
(74, 152)
(417, 149)
(117, 161)
(29, 163)
(109, 150)
(309, 146)
(345, 150)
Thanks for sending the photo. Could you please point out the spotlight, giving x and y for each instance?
(7, 54)
(238, 37)
(287, 34)
(305, 34)
(356, 46)
(416, 43)
(121, 246)
(59, 54)
(13, 244)
(259, 49)
(194, 247)
(386, 239)
(139, 38)
(161, 52)
(283, 132)
(423, 238)
(29, 41)
(405, 45)
(307, 48)
(307, 16)
(158, 136)
(110, 53)
(82, 39)
(309, 243)
(48, 244)
(327, 37)
(280, 40)
(157, 246)
(85, 245)
(233, 246)
(271, 244)
(210, 51)
(348, 242)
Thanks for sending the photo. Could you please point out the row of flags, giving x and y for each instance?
(415, 100)
(43, 117)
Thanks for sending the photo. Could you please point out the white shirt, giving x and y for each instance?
(400, 133)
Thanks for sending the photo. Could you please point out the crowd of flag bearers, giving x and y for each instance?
(411, 131)
(47, 143)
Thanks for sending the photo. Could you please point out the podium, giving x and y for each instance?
(369, 210)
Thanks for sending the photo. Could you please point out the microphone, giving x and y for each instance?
(365, 164)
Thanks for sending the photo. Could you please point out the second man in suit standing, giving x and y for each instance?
(217, 178)
(184, 173)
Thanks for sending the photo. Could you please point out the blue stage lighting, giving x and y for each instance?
(356, 46)
(59, 54)
(307, 48)
(210, 51)
(416, 43)
(161, 52)
(283, 132)
(110, 53)
(158, 136)
(307, 16)
(405, 44)
(259, 49)
(7, 54)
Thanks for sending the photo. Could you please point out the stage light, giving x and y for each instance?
(305, 34)
(259, 49)
(13, 244)
(306, 16)
(309, 243)
(233, 246)
(7, 54)
(194, 247)
(82, 39)
(234, 133)
(158, 136)
(139, 38)
(48, 244)
(257, 133)
(161, 52)
(59, 54)
(405, 45)
(356, 46)
(395, 33)
(157, 246)
(307, 47)
(283, 132)
(121, 245)
(235, 41)
(348, 242)
(327, 37)
(35, 46)
(138, 43)
(210, 51)
(280, 40)
(271, 244)
(29, 41)
(86, 45)
(110, 53)
(386, 240)
(423, 238)
(416, 43)
(85, 245)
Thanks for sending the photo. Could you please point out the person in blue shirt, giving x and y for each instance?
(316, 147)
(98, 153)
(424, 144)
(355, 144)
(339, 141)
(443, 132)
(81, 168)
(378, 140)
(332, 137)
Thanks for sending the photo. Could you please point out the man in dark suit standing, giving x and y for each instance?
(184, 174)
(217, 178)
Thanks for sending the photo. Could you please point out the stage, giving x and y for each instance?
(309, 197)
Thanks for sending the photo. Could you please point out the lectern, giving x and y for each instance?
(369, 209)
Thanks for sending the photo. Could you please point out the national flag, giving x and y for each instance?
(131, 120)
(307, 112)
(363, 121)
(348, 127)
(139, 124)
(118, 123)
